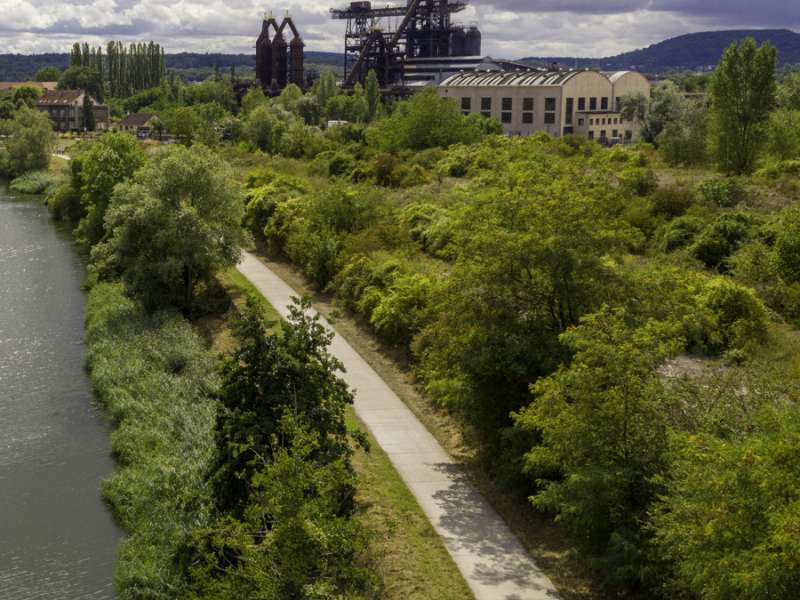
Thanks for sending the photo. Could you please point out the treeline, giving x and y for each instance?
(123, 70)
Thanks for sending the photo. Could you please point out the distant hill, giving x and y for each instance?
(20, 67)
(692, 51)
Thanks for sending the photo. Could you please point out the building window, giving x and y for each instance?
(591, 135)
(549, 111)
(527, 118)
(603, 134)
(570, 110)
(527, 104)
(604, 104)
(619, 105)
(506, 116)
(508, 104)
(466, 104)
(615, 134)
(592, 103)
(486, 107)
(580, 122)
(568, 130)
(581, 104)
(629, 135)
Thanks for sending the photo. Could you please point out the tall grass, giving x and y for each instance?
(34, 182)
(156, 381)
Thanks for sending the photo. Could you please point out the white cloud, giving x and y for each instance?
(512, 28)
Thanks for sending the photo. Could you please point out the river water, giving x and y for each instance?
(57, 539)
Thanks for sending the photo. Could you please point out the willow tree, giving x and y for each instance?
(743, 93)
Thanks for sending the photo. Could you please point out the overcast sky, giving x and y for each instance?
(511, 28)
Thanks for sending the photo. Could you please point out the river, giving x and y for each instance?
(57, 538)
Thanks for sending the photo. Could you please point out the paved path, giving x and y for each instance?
(491, 559)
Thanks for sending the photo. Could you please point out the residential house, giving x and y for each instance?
(65, 108)
(139, 124)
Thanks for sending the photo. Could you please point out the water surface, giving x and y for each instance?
(57, 539)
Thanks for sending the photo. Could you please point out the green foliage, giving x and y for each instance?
(724, 193)
(729, 517)
(667, 103)
(787, 246)
(265, 128)
(184, 123)
(282, 476)
(742, 92)
(154, 379)
(736, 315)
(89, 123)
(424, 121)
(373, 95)
(82, 78)
(30, 142)
(681, 232)
(26, 96)
(173, 227)
(789, 92)
(112, 160)
(720, 239)
(34, 182)
(783, 134)
(684, 139)
(638, 181)
(50, 73)
(211, 91)
(602, 430)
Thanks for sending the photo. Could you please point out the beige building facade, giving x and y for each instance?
(65, 108)
(555, 102)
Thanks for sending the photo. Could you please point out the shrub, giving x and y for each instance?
(735, 316)
(721, 239)
(35, 182)
(680, 232)
(672, 201)
(725, 193)
(399, 314)
(639, 181)
(65, 203)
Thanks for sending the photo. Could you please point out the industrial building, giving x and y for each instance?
(279, 63)
(394, 40)
(556, 102)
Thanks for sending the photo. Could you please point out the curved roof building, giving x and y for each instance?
(526, 101)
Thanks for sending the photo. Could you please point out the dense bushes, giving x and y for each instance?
(34, 182)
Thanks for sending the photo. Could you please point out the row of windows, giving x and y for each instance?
(507, 109)
(605, 121)
(592, 103)
(614, 135)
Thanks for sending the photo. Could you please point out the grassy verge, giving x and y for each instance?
(154, 377)
(413, 562)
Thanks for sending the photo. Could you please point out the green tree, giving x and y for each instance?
(268, 378)
(424, 121)
(184, 123)
(289, 97)
(783, 134)
(787, 246)
(684, 140)
(49, 73)
(742, 93)
(82, 78)
(266, 126)
(728, 520)
(326, 89)
(173, 227)
(603, 434)
(634, 107)
(111, 160)
(26, 96)
(666, 105)
(373, 95)
(88, 114)
(789, 92)
(29, 143)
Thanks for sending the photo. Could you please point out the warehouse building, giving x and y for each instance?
(556, 102)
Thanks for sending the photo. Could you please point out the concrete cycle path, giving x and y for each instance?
(489, 556)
